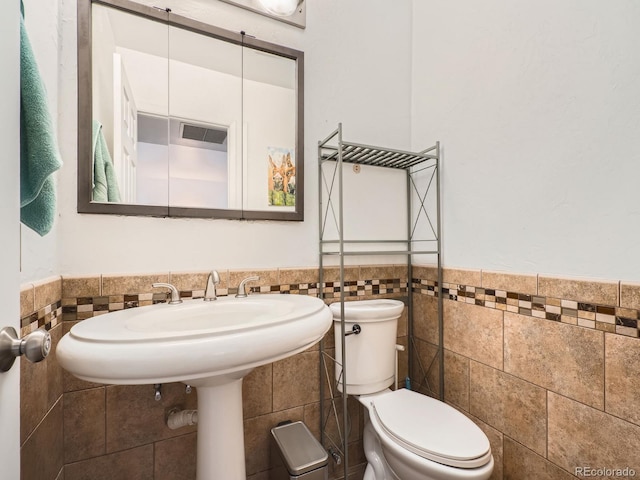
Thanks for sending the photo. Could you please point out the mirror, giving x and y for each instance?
(179, 118)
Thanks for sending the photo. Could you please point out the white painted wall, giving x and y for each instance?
(39, 258)
(198, 177)
(345, 44)
(537, 105)
(102, 73)
(269, 119)
(10, 232)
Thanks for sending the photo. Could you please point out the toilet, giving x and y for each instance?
(407, 436)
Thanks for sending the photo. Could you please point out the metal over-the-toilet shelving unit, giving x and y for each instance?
(333, 154)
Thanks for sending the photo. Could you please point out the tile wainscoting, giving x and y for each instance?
(548, 367)
(77, 430)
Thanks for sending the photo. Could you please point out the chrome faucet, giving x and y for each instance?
(242, 288)
(210, 292)
(175, 295)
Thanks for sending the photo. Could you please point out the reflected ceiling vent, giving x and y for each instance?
(203, 134)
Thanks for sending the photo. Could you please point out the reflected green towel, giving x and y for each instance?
(105, 183)
(39, 156)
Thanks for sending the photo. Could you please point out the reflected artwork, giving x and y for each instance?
(281, 177)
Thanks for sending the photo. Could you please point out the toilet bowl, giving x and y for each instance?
(407, 436)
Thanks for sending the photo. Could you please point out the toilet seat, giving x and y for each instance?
(431, 429)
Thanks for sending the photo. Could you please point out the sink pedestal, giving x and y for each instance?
(220, 429)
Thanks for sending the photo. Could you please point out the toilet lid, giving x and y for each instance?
(432, 429)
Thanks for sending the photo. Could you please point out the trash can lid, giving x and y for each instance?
(300, 451)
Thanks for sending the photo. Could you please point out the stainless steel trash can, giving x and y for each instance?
(299, 454)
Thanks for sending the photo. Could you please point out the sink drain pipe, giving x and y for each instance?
(182, 418)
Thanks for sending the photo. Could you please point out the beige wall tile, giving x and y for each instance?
(27, 300)
(334, 426)
(296, 380)
(382, 272)
(175, 459)
(425, 272)
(289, 276)
(496, 440)
(257, 392)
(312, 418)
(456, 379)
(267, 278)
(135, 418)
(459, 276)
(40, 387)
(47, 291)
(81, 286)
(403, 360)
(512, 406)
(351, 273)
(133, 464)
(566, 359)
(132, 284)
(41, 457)
(260, 475)
(510, 282)
(257, 437)
(588, 291)
(583, 436)
(425, 318)
(630, 295)
(54, 370)
(34, 396)
(426, 368)
(473, 331)
(190, 281)
(622, 366)
(403, 323)
(84, 424)
(521, 463)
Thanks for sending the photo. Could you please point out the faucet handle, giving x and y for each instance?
(242, 288)
(175, 295)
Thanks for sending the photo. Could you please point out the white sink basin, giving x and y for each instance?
(210, 345)
(193, 341)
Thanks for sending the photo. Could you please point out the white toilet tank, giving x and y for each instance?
(371, 353)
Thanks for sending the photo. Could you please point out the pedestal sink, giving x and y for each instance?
(209, 345)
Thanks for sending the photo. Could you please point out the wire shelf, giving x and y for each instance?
(374, 156)
(334, 417)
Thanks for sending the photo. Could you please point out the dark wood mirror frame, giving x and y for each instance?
(85, 116)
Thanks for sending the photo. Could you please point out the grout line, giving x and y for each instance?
(546, 418)
(604, 373)
(44, 417)
(620, 294)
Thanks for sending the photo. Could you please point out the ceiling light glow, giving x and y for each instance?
(282, 8)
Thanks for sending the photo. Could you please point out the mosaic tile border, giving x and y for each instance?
(81, 308)
(47, 317)
(607, 318)
(360, 288)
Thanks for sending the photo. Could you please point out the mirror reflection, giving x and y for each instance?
(269, 113)
(192, 121)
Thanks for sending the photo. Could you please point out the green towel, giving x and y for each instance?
(105, 183)
(39, 156)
